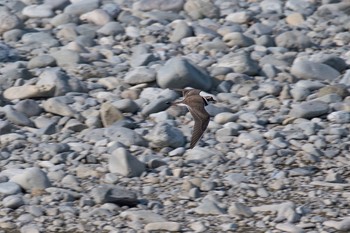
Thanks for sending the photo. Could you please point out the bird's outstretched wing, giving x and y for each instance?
(201, 121)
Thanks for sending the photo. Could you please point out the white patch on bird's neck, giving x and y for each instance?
(182, 104)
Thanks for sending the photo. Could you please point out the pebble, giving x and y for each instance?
(82, 80)
(124, 163)
(163, 226)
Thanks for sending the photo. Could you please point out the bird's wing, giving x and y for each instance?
(188, 92)
(201, 121)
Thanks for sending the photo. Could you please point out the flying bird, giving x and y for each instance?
(195, 104)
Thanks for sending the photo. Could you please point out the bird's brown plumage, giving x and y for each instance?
(195, 104)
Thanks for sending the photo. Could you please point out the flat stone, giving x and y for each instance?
(114, 194)
(293, 40)
(143, 216)
(288, 227)
(163, 226)
(29, 91)
(13, 201)
(343, 225)
(17, 117)
(125, 136)
(163, 5)
(309, 109)
(140, 75)
(38, 11)
(8, 20)
(179, 73)
(209, 207)
(295, 19)
(81, 7)
(305, 69)
(41, 61)
(239, 62)
(57, 106)
(29, 107)
(123, 162)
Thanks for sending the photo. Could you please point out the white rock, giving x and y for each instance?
(38, 11)
(98, 17)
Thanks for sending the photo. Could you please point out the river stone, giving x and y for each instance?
(8, 20)
(163, 226)
(29, 91)
(179, 73)
(163, 5)
(81, 7)
(165, 135)
(239, 209)
(293, 40)
(305, 69)
(29, 107)
(239, 62)
(38, 11)
(9, 188)
(140, 75)
(41, 61)
(13, 201)
(110, 114)
(113, 194)
(57, 106)
(143, 216)
(32, 179)
(126, 136)
(343, 225)
(198, 9)
(309, 109)
(97, 17)
(181, 30)
(122, 162)
(17, 117)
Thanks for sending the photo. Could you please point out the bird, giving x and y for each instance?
(195, 104)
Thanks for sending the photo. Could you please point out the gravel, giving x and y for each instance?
(90, 142)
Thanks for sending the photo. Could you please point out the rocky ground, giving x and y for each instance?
(89, 143)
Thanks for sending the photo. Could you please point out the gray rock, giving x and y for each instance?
(181, 30)
(343, 225)
(66, 57)
(57, 106)
(29, 107)
(38, 11)
(293, 40)
(125, 136)
(285, 211)
(179, 73)
(32, 179)
(78, 8)
(332, 60)
(340, 117)
(41, 61)
(229, 227)
(5, 127)
(305, 69)
(114, 194)
(4, 52)
(198, 9)
(240, 63)
(165, 135)
(198, 227)
(271, 6)
(29, 91)
(309, 109)
(156, 106)
(239, 209)
(126, 105)
(63, 18)
(237, 39)
(300, 93)
(209, 207)
(236, 178)
(39, 40)
(30, 228)
(110, 114)
(13, 35)
(163, 226)
(13, 201)
(140, 75)
(163, 5)
(251, 139)
(17, 117)
(124, 163)
(143, 216)
(8, 20)
(288, 227)
(9, 188)
(201, 155)
(111, 29)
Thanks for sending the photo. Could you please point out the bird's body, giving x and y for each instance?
(195, 104)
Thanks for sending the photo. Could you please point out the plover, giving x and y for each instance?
(195, 104)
